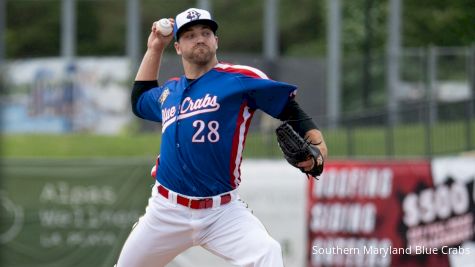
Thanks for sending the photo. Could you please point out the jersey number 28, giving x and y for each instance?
(200, 135)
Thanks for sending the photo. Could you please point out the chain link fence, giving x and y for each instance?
(435, 99)
(435, 114)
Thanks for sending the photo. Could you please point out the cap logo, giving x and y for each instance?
(193, 15)
(190, 17)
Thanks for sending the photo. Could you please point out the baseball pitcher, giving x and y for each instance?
(205, 116)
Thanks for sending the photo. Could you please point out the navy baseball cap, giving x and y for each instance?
(193, 16)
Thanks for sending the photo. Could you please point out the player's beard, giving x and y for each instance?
(200, 55)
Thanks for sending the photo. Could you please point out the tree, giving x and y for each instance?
(32, 28)
(439, 22)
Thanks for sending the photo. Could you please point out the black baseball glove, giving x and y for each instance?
(297, 150)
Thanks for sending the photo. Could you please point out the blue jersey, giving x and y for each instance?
(205, 123)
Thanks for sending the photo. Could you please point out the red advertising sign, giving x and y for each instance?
(376, 214)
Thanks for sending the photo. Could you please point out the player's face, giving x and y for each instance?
(197, 45)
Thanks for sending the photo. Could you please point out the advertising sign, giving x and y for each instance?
(386, 213)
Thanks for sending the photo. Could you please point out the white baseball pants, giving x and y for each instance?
(230, 231)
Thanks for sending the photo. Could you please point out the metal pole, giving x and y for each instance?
(394, 51)
(432, 90)
(3, 14)
(133, 34)
(471, 68)
(271, 35)
(471, 100)
(431, 99)
(3, 19)
(428, 135)
(206, 5)
(68, 30)
(68, 53)
(367, 54)
(333, 62)
(468, 124)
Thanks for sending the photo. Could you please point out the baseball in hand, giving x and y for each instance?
(164, 26)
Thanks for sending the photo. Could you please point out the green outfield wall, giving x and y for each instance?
(69, 212)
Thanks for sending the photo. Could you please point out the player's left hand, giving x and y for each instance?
(298, 152)
(307, 165)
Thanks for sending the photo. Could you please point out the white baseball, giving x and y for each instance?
(164, 26)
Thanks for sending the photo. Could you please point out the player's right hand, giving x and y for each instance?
(157, 41)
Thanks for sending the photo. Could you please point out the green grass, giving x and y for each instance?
(408, 141)
(79, 145)
(88, 145)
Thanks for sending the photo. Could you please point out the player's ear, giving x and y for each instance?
(177, 48)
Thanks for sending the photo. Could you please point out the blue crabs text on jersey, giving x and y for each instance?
(205, 123)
